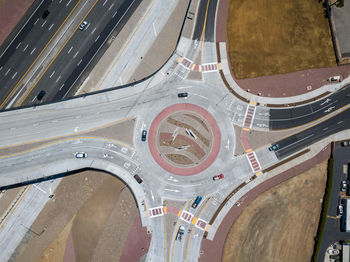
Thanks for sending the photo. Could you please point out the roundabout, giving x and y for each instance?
(184, 139)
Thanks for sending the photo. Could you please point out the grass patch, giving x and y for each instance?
(324, 211)
(268, 37)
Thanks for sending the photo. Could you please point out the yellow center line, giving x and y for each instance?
(172, 252)
(308, 126)
(164, 239)
(72, 134)
(190, 240)
(25, 97)
(13, 89)
(15, 206)
(64, 140)
(126, 45)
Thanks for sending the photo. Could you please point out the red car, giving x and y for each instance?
(218, 177)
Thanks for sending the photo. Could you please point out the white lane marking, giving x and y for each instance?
(42, 1)
(154, 30)
(93, 30)
(1, 68)
(87, 26)
(60, 1)
(340, 122)
(76, 54)
(114, 14)
(25, 48)
(298, 141)
(52, 74)
(40, 189)
(14, 76)
(51, 27)
(33, 51)
(97, 38)
(324, 129)
(58, 78)
(80, 62)
(43, 23)
(61, 86)
(7, 71)
(105, 3)
(36, 21)
(18, 45)
(68, 3)
(109, 9)
(33, 99)
(70, 49)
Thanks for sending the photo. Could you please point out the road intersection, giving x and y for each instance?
(189, 141)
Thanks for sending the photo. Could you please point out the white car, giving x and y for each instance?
(333, 251)
(82, 26)
(81, 155)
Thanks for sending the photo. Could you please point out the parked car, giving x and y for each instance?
(82, 26)
(333, 251)
(274, 147)
(45, 14)
(182, 95)
(143, 135)
(343, 186)
(335, 79)
(81, 155)
(218, 177)
(340, 210)
(138, 179)
(197, 201)
(345, 143)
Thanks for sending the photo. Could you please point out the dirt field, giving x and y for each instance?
(89, 218)
(281, 223)
(270, 37)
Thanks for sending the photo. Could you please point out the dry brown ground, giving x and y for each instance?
(280, 224)
(268, 37)
(101, 211)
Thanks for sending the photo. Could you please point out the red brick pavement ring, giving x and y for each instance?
(184, 171)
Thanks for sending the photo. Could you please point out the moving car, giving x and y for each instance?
(82, 26)
(333, 251)
(340, 210)
(343, 186)
(81, 155)
(218, 177)
(180, 232)
(41, 95)
(45, 14)
(144, 135)
(138, 179)
(274, 147)
(182, 95)
(197, 201)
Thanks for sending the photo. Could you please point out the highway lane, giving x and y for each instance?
(81, 48)
(205, 20)
(313, 134)
(300, 115)
(30, 41)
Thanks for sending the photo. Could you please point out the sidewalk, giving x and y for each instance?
(295, 86)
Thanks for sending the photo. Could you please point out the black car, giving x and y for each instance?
(41, 95)
(138, 179)
(45, 14)
(182, 94)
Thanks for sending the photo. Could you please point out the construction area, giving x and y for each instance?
(271, 37)
(280, 225)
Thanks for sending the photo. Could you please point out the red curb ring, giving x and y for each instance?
(184, 171)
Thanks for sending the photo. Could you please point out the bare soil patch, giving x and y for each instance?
(281, 223)
(270, 37)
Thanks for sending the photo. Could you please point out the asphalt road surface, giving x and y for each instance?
(81, 48)
(205, 19)
(300, 115)
(33, 37)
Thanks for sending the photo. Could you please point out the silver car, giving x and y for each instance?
(81, 155)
